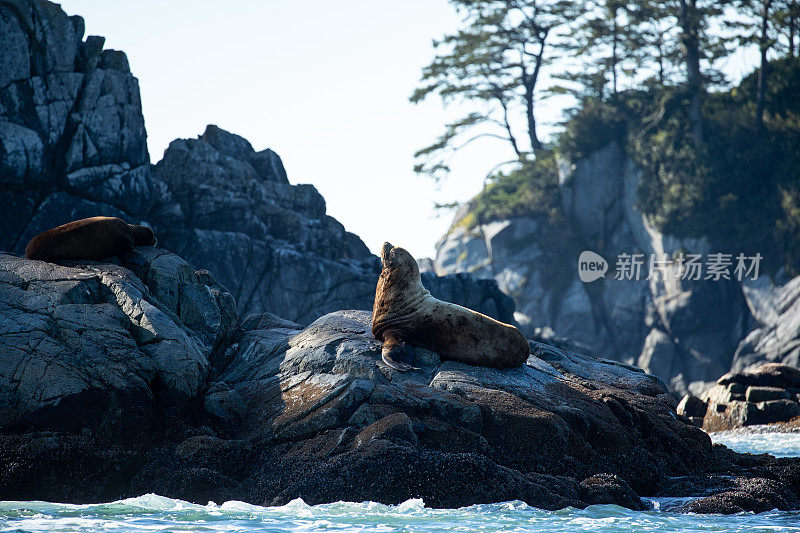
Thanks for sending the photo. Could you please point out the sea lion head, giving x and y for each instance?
(143, 236)
(399, 263)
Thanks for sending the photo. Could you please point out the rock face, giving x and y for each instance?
(280, 251)
(766, 394)
(73, 145)
(105, 347)
(681, 330)
(121, 379)
(72, 137)
(776, 310)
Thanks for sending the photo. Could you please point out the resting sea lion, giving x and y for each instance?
(89, 238)
(405, 315)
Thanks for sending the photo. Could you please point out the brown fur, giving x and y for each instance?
(405, 312)
(89, 238)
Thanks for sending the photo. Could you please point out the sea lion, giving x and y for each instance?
(405, 315)
(89, 238)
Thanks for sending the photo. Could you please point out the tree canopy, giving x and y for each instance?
(721, 158)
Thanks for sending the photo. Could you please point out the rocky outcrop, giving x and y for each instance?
(72, 137)
(766, 394)
(281, 252)
(122, 379)
(108, 347)
(684, 331)
(73, 145)
(776, 311)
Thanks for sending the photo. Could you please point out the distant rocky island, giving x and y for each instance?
(235, 360)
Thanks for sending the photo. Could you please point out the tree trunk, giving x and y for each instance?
(792, 27)
(536, 144)
(529, 82)
(614, 60)
(688, 18)
(762, 70)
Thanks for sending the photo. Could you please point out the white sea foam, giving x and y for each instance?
(760, 439)
(154, 513)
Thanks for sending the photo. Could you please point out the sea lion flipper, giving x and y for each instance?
(398, 354)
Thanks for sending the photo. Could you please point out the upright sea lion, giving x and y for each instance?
(405, 315)
(89, 238)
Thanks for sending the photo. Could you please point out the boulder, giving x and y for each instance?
(692, 406)
(764, 394)
(102, 346)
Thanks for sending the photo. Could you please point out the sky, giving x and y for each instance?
(324, 84)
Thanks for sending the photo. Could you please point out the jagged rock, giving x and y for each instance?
(683, 330)
(72, 145)
(101, 346)
(283, 254)
(777, 340)
(761, 395)
(72, 137)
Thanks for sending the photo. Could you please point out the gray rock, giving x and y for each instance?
(72, 138)
(692, 406)
(777, 309)
(685, 331)
(659, 355)
(73, 145)
(764, 394)
(113, 375)
(765, 375)
(100, 339)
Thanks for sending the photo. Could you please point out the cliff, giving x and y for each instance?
(684, 331)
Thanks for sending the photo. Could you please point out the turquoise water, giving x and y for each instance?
(155, 513)
(152, 513)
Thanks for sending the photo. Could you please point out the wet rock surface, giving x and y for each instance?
(139, 376)
(765, 394)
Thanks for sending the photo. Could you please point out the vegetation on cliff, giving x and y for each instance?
(718, 160)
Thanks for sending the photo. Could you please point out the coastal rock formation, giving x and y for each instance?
(283, 254)
(766, 394)
(108, 347)
(776, 311)
(73, 145)
(137, 377)
(682, 330)
(72, 137)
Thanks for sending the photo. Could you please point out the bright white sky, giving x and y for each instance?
(324, 84)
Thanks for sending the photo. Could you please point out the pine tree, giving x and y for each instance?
(494, 61)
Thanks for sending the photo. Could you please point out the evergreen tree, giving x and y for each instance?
(605, 36)
(495, 61)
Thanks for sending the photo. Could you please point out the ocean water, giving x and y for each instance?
(153, 513)
(760, 439)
